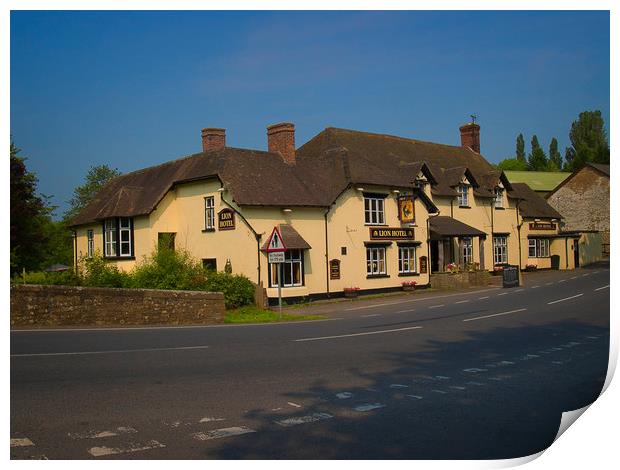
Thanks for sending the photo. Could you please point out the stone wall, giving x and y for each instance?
(35, 305)
(460, 280)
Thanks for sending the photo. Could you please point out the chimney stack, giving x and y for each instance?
(470, 136)
(281, 139)
(213, 139)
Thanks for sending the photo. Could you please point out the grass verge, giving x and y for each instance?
(252, 314)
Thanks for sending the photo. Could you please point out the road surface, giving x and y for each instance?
(477, 374)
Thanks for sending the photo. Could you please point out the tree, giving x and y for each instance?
(589, 141)
(513, 164)
(555, 157)
(537, 160)
(30, 215)
(520, 148)
(96, 178)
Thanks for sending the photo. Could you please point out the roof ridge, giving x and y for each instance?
(398, 137)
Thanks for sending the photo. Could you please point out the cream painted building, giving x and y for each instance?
(355, 209)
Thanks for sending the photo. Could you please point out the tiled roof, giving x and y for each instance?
(325, 166)
(532, 205)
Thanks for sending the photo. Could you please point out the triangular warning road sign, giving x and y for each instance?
(275, 242)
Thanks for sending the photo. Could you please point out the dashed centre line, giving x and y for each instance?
(224, 432)
(601, 288)
(496, 314)
(461, 302)
(118, 351)
(406, 311)
(133, 447)
(304, 419)
(437, 306)
(484, 297)
(396, 330)
(502, 293)
(565, 299)
(372, 315)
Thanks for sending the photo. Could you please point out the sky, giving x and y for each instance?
(132, 89)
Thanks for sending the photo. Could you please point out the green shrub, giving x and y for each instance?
(97, 272)
(169, 269)
(238, 290)
(61, 278)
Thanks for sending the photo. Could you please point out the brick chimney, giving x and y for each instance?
(470, 136)
(281, 139)
(213, 139)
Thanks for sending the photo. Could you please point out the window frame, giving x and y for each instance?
(500, 250)
(90, 243)
(377, 212)
(463, 197)
(540, 246)
(468, 250)
(373, 256)
(292, 258)
(409, 259)
(498, 202)
(209, 213)
(113, 227)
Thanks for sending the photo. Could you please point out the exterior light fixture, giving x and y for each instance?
(221, 190)
(360, 189)
(287, 210)
(396, 191)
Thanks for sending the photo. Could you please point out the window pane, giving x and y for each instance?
(297, 273)
(286, 279)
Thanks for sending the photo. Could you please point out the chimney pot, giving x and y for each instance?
(281, 139)
(213, 138)
(470, 136)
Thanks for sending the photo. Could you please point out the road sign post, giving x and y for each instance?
(276, 249)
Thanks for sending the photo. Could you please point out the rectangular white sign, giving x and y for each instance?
(276, 257)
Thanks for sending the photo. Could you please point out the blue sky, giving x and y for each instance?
(133, 89)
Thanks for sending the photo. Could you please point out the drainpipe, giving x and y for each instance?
(75, 260)
(257, 235)
(519, 236)
(326, 251)
(428, 242)
(566, 245)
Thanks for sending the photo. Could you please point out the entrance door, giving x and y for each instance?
(576, 252)
(435, 256)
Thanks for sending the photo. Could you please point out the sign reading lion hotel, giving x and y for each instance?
(353, 209)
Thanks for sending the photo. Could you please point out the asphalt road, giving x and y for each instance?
(477, 374)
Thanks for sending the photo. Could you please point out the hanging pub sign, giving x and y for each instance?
(542, 226)
(389, 233)
(406, 213)
(334, 269)
(226, 219)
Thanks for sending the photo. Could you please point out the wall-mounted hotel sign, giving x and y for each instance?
(542, 226)
(226, 219)
(406, 213)
(388, 233)
(334, 269)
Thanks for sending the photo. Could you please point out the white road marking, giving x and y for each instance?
(476, 383)
(369, 406)
(372, 315)
(562, 280)
(295, 405)
(519, 290)
(562, 300)
(461, 302)
(344, 395)
(474, 370)
(438, 391)
(436, 306)
(406, 311)
(276, 409)
(574, 277)
(304, 419)
(456, 387)
(557, 362)
(498, 379)
(359, 334)
(482, 298)
(210, 419)
(372, 306)
(418, 397)
(502, 293)
(586, 274)
(101, 434)
(118, 351)
(224, 432)
(549, 283)
(21, 442)
(442, 377)
(132, 447)
(534, 287)
(507, 363)
(496, 314)
(399, 386)
(527, 357)
(601, 288)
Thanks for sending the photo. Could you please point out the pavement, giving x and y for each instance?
(475, 374)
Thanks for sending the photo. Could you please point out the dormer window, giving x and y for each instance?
(463, 191)
(499, 198)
